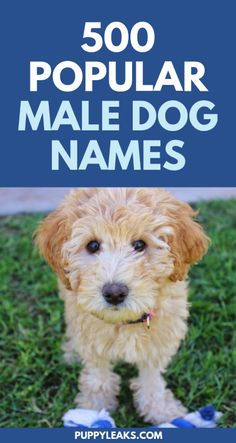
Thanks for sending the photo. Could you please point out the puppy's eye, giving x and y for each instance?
(93, 246)
(139, 245)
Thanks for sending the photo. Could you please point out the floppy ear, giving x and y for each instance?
(56, 228)
(50, 236)
(188, 242)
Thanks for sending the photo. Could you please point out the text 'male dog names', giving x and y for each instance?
(141, 115)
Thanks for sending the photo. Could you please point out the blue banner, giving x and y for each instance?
(95, 94)
(99, 435)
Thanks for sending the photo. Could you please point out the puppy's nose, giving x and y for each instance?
(115, 293)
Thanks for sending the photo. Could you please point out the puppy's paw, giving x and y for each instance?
(156, 407)
(165, 409)
(99, 388)
(96, 401)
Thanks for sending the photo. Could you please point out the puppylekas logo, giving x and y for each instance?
(141, 116)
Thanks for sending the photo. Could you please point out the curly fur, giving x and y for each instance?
(156, 279)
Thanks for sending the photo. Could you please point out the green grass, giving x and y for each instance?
(36, 387)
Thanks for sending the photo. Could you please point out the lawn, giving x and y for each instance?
(36, 387)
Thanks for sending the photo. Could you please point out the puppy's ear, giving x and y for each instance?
(188, 242)
(50, 236)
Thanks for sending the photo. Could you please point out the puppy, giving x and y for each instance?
(122, 257)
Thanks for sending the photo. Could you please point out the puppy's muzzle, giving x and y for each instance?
(115, 293)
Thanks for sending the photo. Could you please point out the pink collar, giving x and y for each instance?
(145, 318)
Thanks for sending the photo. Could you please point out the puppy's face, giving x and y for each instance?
(116, 260)
(115, 248)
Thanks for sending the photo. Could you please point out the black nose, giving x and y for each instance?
(114, 293)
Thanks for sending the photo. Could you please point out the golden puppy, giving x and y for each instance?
(122, 257)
